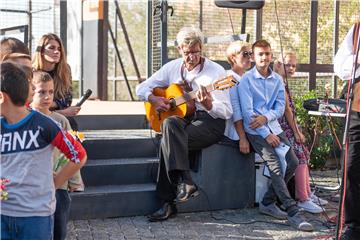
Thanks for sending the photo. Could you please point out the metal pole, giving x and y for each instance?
(163, 31)
(81, 82)
(63, 23)
(149, 37)
(201, 15)
(30, 25)
(258, 24)
(313, 42)
(126, 35)
(120, 61)
(243, 21)
(115, 61)
(336, 39)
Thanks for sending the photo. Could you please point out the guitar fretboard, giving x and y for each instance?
(191, 95)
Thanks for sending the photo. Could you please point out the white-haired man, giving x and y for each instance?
(181, 135)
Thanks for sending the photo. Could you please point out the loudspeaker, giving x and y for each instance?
(251, 4)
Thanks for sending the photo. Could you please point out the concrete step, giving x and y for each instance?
(113, 201)
(104, 122)
(102, 115)
(110, 144)
(119, 171)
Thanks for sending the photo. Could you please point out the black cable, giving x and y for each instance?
(233, 222)
(154, 164)
(281, 46)
(333, 132)
(231, 22)
(315, 187)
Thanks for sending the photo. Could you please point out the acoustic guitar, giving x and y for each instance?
(181, 103)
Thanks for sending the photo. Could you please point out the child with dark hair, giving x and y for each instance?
(12, 45)
(27, 142)
(43, 98)
(15, 51)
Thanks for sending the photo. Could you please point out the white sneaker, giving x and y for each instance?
(310, 206)
(317, 200)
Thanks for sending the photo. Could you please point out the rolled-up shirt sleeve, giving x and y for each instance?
(158, 79)
(344, 58)
(221, 105)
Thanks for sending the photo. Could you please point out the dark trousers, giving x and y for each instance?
(278, 186)
(352, 199)
(179, 136)
(61, 215)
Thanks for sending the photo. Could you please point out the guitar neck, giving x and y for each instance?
(191, 95)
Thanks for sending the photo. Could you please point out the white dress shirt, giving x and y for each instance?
(344, 58)
(171, 73)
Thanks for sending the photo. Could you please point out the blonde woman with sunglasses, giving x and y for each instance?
(238, 55)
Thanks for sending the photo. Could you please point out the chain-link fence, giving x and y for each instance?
(42, 15)
(289, 21)
(285, 24)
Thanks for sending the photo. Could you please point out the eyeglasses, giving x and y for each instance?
(196, 53)
(246, 54)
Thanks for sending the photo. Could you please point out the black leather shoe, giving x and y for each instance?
(350, 234)
(166, 211)
(186, 191)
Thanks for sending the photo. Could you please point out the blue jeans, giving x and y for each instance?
(27, 228)
(61, 214)
(278, 186)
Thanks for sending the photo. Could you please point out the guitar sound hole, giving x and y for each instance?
(172, 104)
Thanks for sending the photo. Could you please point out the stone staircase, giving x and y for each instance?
(121, 171)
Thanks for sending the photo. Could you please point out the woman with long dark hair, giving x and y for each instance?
(51, 58)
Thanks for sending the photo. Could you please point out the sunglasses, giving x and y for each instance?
(246, 54)
(288, 65)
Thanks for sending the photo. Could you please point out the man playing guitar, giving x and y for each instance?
(181, 135)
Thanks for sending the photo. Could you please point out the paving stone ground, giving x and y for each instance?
(226, 224)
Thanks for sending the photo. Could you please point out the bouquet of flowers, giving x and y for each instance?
(4, 195)
(80, 136)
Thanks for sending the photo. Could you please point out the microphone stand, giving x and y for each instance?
(346, 141)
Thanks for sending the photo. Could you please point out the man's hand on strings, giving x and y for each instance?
(204, 97)
(161, 104)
